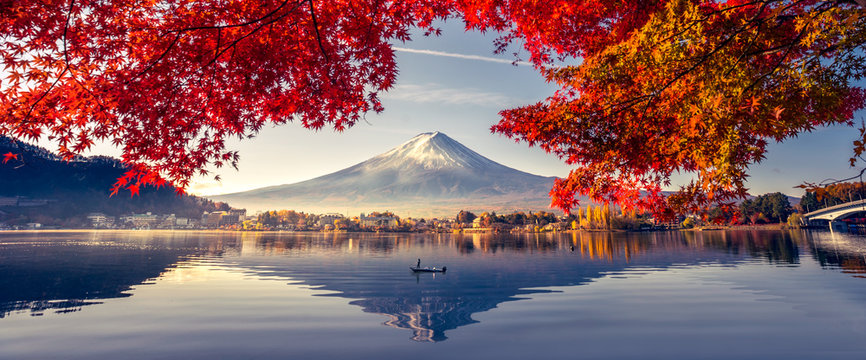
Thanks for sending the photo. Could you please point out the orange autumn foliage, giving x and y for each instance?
(663, 87)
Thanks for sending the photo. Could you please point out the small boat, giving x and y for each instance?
(428, 269)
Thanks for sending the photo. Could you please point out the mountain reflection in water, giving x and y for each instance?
(65, 271)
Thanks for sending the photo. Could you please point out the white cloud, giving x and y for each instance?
(205, 188)
(461, 56)
(434, 93)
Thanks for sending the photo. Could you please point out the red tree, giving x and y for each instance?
(169, 81)
(664, 86)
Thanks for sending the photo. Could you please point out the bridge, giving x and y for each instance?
(837, 212)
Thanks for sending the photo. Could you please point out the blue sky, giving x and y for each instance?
(455, 84)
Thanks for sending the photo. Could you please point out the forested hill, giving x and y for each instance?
(58, 192)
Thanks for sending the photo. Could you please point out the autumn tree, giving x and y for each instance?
(662, 87)
(587, 221)
(835, 193)
(465, 217)
(169, 81)
(773, 206)
(699, 87)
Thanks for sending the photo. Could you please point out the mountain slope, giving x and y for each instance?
(66, 192)
(430, 175)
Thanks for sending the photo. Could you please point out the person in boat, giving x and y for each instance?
(419, 264)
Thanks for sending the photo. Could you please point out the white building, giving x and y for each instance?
(378, 221)
(100, 220)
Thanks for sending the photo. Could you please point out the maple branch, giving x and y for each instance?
(707, 17)
(65, 68)
(742, 55)
(188, 29)
(751, 44)
(373, 18)
(158, 59)
(784, 56)
(775, 67)
(703, 59)
(236, 41)
(755, 21)
(318, 36)
(243, 24)
(830, 181)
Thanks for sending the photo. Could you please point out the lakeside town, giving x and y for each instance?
(289, 220)
(766, 209)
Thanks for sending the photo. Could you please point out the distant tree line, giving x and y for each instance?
(587, 217)
(287, 218)
(762, 209)
(833, 194)
(519, 218)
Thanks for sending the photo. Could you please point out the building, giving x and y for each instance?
(223, 218)
(329, 219)
(378, 221)
(229, 219)
(100, 220)
(168, 222)
(141, 221)
(212, 219)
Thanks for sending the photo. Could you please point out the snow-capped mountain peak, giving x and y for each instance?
(429, 175)
(433, 150)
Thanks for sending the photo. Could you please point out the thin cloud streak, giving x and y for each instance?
(461, 56)
(434, 93)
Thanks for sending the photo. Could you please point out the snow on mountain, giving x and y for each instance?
(432, 151)
(429, 175)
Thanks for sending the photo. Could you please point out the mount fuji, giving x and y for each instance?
(429, 175)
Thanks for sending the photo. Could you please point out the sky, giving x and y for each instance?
(455, 84)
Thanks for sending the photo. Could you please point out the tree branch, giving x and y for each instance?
(318, 36)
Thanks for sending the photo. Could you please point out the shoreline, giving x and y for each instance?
(763, 227)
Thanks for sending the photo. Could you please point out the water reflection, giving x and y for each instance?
(488, 270)
(846, 252)
(65, 271)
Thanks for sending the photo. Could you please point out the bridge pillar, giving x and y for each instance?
(838, 226)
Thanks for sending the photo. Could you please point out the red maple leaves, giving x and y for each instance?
(9, 156)
(690, 87)
(170, 81)
(664, 86)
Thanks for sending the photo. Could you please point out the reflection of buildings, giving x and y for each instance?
(846, 252)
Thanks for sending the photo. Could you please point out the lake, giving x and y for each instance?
(220, 295)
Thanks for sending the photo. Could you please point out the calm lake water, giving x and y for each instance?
(198, 295)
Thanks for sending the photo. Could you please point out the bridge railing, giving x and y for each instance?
(845, 206)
